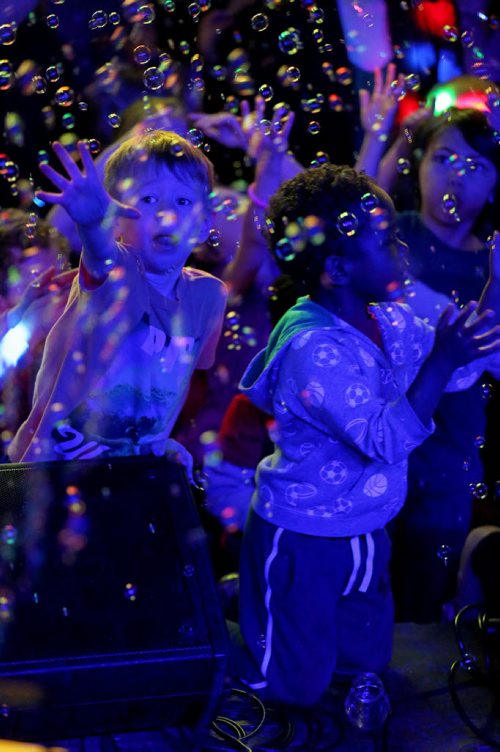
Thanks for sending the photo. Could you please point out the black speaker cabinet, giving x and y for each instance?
(109, 616)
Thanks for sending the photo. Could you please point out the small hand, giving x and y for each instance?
(269, 173)
(178, 453)
(42, 302)
(459, 342)
(377, 110)
(224, 127)
(82, 192)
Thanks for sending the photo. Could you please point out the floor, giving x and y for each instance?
(423, 717)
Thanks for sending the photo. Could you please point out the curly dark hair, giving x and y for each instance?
(303, 219)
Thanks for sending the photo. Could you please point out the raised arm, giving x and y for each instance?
(89, 205)
(377, 112)
(273, 167)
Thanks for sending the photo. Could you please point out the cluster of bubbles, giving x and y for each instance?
(298, 235)
(444, 553)
(72, 538)
(479, 491)
(235, 335)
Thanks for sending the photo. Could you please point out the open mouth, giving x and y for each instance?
(165, 240)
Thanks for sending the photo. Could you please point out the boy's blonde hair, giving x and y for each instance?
(159, 148)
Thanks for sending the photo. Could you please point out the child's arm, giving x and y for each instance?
(334, 384)
(272, 169)
(377, 112)
(89, 205)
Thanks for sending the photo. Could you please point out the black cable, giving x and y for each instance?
(471, 665)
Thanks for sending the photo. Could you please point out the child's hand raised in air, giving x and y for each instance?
(378, 108)
(82, 192)
(272, 151)
(463, 338)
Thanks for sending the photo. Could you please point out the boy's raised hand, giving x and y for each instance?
(272, 152)
(463, 338)
(82, 192)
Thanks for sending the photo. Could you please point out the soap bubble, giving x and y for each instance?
(450, 33)
(289, 41)
(52, 21)
(6, 78)
(443, 553)
(114, 119)
(98, 20)
(335, 103)
(479, 491)
(232, 320)
(347, 224)
(403, 166)
(318, 36)
(313, 128)
(195, 136)
(64, 96)
(68, 120)
(8, 535)
(7, 34)
(344, 76)
(214, 238)
(194, 11)
(479, 442)
(369, 202)
(142, 54)
(53, 73)
(293, 73)
(114, 18)
(449, 206)
(6, 604)
(94, 145)
(39, 84)
(130, 592)
(244, 83)
(284, 250)
(412, 82)
(266, 91)
(259, 22)
(153, 78)
(467, 38)
(486, 390)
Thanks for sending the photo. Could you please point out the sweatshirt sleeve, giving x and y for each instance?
(349, 395)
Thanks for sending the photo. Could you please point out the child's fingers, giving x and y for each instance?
(447, 315)
(465, 312)
(390, 74)
(364, 100)
(65, 159)
(50, 198)
(377, 81)
(55, 177)
(86, 157)
(244, 108)
(287, 125)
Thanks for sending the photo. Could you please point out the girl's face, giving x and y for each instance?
(455, 181)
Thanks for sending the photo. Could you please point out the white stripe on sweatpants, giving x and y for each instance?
(370, 553)
(356, 561)
(269, 629)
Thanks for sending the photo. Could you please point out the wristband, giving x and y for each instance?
(256, 201)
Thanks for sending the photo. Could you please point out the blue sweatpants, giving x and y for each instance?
(311, 607)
